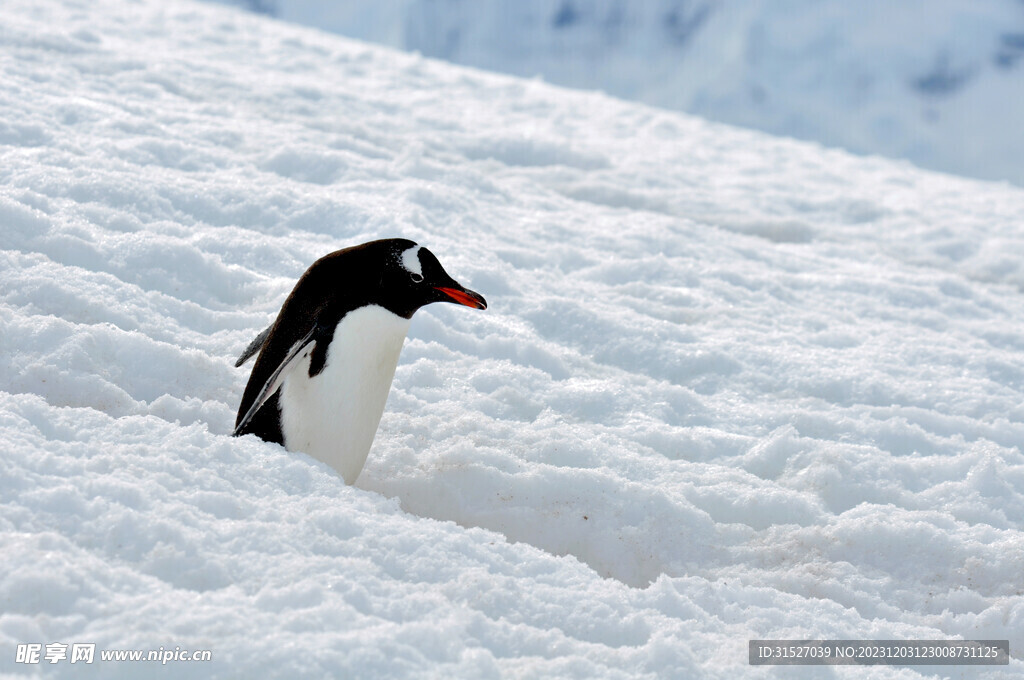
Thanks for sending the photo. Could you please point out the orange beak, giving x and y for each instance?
(465, 297)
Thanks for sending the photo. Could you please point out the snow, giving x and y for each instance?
(938, 82)
(728, 386)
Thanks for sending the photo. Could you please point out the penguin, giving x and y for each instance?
(324, 367)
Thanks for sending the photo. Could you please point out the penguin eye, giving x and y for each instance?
(416, 278)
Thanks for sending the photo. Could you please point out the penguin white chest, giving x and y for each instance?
(333, 416)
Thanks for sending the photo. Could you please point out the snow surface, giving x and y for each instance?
(939, 82)
(728, 386)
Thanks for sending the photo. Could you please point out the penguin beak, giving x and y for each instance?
(465, 297)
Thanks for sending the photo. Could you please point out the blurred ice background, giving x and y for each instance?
(936, 82)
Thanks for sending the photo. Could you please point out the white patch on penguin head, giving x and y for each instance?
(411, 261)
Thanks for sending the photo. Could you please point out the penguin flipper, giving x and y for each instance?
(276, 378)
(255, 346)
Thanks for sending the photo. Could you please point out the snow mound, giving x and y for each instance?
(728, 387)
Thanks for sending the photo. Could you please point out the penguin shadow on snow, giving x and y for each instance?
(320, 381)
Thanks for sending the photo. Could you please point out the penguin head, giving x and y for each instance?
(412, 277)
